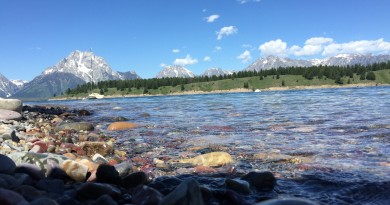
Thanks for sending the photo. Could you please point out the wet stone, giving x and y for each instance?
(7, 165)
(146, 195)
(29, 192)
(188, 192)
(77, 126)
(135, 179)
(295, 201)
(94, 190)
(8, 197)
(262, 181)
(107, 174)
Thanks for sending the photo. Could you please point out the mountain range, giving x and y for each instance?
(82, 67)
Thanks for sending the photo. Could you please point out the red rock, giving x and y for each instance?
(204, 169)
(121, 126)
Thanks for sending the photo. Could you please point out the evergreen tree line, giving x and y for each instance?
(330, 72)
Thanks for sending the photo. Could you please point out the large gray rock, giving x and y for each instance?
(9, 115)
(11, 104)
(187, 193)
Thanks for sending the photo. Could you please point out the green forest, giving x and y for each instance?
(291, 76)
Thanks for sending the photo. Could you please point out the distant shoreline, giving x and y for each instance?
(237, 90)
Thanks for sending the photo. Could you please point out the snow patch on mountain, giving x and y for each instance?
(175, 71)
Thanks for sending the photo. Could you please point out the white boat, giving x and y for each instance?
(257, 91)
(95, 96)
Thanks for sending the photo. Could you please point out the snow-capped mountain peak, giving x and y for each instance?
(85, 65)
(7, 88)
(216, 71)
(175, 71)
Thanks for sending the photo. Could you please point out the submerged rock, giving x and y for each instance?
(213, 159)
(121, 126)
(75, 170)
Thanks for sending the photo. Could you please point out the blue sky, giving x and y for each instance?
(144, 35)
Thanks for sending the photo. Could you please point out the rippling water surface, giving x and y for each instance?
(345, 133)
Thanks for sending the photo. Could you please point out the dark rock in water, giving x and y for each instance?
(77, 126)
(44, 201)
(188, 192)
(58, 173)
(94, 190)
(287, 202)
(67, 200)
(51, 185)
(262, 181)
(135, 179)
(165, 184)
(104, 200)
(146, 195)
(84, 113)
(231, 197)
(237, 185)
(7, 165)
(24, 179)
(29, 192)
(145, 115)
(14, 138)
(8, 197)
(107, 174)
(119, 119)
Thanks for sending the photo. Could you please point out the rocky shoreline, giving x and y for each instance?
(48, 155)
(238, 90)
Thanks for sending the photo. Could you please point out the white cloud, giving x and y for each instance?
(212, 18)
(218, 48)
(245, 57)
(204, 10)
(324, 46)
(163, 64)
(318, 41)
(207, 58)
(188, 60)
(246, 1)
(274, 47)
(361, 47)
(226, 31)
(176, 50)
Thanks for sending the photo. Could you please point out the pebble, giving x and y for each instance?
(135, 179)
(107, 174)
(75, 170)
(212, 159)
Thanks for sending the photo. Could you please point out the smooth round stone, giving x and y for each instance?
(135, 179)
(11, 197)
(102, 148)
(29, 192)
(7, 165)
(9, 115)
(94, 190)
(121, 126)
(107, 174)
(213, 159)
(287, 202)
(44, 201)
(11, 104)
(188, 192)
(238, 185)
(75, 170)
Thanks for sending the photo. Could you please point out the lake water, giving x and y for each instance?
(344, 133)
